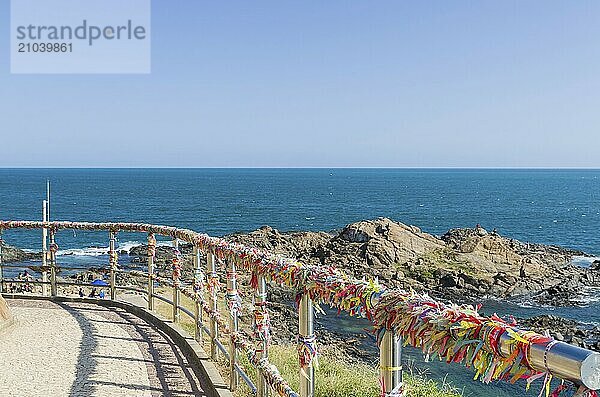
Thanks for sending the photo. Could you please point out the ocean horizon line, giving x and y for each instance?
(299, 168)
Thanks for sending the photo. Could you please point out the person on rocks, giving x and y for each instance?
(81, 294)
(94, 293)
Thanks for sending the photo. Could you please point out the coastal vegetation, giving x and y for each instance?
(338, 374)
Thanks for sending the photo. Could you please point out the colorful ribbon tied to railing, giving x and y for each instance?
(176, 267)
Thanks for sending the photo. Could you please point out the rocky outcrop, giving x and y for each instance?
(462, 265)
(163, 259)
(11, 254)
(164, 253)
(517, 268)
(462, 262)
(565, 330)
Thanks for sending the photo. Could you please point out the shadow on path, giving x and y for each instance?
(86, 363)
(167, 363)
(101, 369)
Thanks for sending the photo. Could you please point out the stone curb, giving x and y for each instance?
(197, 357)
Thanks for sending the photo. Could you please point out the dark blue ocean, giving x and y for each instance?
(544, 206)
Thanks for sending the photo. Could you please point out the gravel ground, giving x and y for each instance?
(75, 349)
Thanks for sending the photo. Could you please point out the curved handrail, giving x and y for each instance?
(495, 348)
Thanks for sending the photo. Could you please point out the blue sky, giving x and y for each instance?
(326, 84)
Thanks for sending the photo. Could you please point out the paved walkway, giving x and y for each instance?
(77, 349)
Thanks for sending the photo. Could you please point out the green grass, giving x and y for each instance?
(336, 376)
(443, 258)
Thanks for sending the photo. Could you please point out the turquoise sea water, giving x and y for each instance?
(546, 206)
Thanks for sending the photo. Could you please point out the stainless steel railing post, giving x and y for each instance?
(199, 294)
(233, 301)
(113, 259)
(260, 301)
(573, 363)
(213, 279)
(44, 249)
(306, 314)
(390, 364)
(176, 276)
(53, 249)
(1, 267)
(151, 252)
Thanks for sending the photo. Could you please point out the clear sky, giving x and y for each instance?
(326, 83)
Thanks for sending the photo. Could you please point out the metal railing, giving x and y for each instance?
(494, 348)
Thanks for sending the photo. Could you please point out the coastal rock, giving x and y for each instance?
(565, 330)
(461, 265)
(474, 260)
(384, 243)
(12, 254)
(520, 268)
(163, 259)
(163, 254)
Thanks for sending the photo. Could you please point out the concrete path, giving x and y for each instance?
(77, 349)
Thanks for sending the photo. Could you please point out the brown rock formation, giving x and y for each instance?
(463, 264)
(12, 254)
(462, 261)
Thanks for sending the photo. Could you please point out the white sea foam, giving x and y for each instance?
(590, 296)
(128, 245)
(584, 261)
(90, 251)
(527, 303)
(99, 251)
